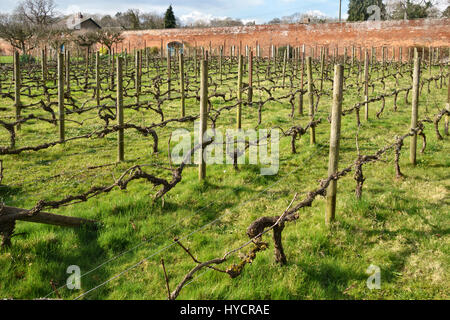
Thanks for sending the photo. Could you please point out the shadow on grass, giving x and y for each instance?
(6, 192)
(86, 254)
(411, 236)
(332, 278)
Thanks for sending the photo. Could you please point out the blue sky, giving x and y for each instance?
(188, 10)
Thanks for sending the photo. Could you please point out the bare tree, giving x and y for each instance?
(37, 12)
(108, 22)
(85, 40)
(21, 35)
(151, 20)
(412, 9)
(227, 22)
(446, 12)
(313, 16)
(129, 20)
(57, 37)
(108, 38)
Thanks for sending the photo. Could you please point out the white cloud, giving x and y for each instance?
(195, 15)
(73, 8)
(245, 21)
(316, 13)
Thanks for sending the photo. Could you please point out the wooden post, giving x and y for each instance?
(86, 68)
(276, 52)
(415, 106)
(430, 59)
(353, 59)
(239, 93)
(311, 100)
(372, 58)
(344, 61)
(112, 71)
(366, 86)
(147, 59)
(203, 115)
(169, 71)
(250, 78)
(44, 66)
(220, 64)
(334, 141)
(322, 65)
(181, 62)
(17, 84)
(195, 62)
(448, 101)
(137, 75)
(300, 101)
(97, 78)
(68, 72)
(285, 57)
(119, 110)
(400, 57)
(61, 96)
(126, 61)
(240, 48)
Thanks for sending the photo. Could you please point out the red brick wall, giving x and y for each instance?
(433, 32)
(424, 32)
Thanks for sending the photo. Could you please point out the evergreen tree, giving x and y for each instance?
(357, 9)
(169, 19)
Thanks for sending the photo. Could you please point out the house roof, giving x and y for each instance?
(74, 22)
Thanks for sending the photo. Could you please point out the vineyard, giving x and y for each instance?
(87, 176)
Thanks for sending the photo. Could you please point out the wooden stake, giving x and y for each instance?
(119, 103)
(203, 114)
(311, 100)
(448, 101)
(415, 106)
(97, 78)
(239, 93)
(138, 75)
(181, 62)
(250, 78)
(17, 84)
(366, 86)
(285, 57)
(44, 66)
(220, 64)
(322, 65)
(334, 142)
(61, 96)
(169, 72)
(68, 72)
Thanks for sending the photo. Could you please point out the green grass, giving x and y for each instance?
(402, 226)
(6, 59)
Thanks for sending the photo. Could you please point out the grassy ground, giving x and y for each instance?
(6, 59)
(402, 226)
